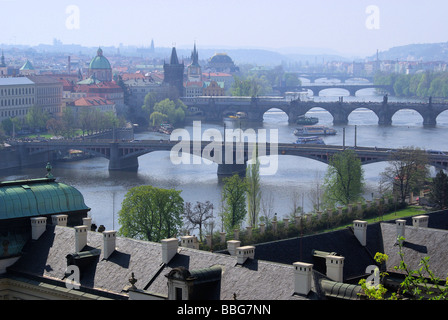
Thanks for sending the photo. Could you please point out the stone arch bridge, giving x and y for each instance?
(124, 155)
(216, 108)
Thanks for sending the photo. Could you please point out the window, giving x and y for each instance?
(178, 293)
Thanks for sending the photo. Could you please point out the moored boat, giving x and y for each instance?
(314, 130)
(304, 120)
(309, 140)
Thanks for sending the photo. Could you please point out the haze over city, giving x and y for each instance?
(344, 27)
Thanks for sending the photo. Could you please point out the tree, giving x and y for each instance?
(344, 180)
(173, 111)
(150, 213)
(439, 190)
(37, 118)
(198, 216)
(253, 191)
(407, 171)
(234, 196)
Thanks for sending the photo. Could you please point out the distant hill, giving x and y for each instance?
(416, 52)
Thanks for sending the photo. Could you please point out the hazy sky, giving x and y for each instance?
(345, 26)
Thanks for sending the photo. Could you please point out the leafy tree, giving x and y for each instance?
(37, 118)
(150, 213)
(253, 191)
(344, 180)
(407, 171)
(234, 197)
(439, 190)
(173, 111)
(198, 215)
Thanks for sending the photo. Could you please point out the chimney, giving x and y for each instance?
(38, 226)
(59, 220)
(401, 226)
(187, 242)
(87, 222)
(360, 230)
(80, 238)
(302, 277)
(109, 239)
(243, 253)
(420, 221)
(335, 268)
(169, 249)
(232, 245)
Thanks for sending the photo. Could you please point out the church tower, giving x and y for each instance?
(174, 73)
(194, 71)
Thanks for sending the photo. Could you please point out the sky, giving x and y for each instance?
(349, 27)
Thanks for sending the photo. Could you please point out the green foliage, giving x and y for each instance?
(344, 179)
(419, 284)
(253, 191)
(150, 213)
(252, 86)
(426, 84)
(234, 198)
(439, 190)
(407, 171)
(169, 110)
(37, 118)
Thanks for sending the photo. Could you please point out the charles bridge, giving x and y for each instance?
(217, 108)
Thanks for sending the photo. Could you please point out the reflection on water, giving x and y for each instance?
(104, 191)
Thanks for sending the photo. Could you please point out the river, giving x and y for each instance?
(296, 177)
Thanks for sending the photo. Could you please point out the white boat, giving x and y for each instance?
(314, 130)
(309, 140)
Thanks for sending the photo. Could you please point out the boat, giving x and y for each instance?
(304, 120)
(309, 140)
(314, 130)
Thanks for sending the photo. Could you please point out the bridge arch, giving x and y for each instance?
(278, 113)
(407, 116)
(442, 117)
(362, 115)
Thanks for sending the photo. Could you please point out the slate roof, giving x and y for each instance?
(419, 243)
(381, 237)
(342, 242)
(254, 280)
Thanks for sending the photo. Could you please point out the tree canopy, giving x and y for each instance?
(234, 198)
(150, 213)
(344, 180)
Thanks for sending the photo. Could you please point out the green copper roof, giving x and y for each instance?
(28, 198)
(100, 62)
(27, 66)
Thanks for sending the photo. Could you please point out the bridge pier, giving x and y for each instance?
(117, 162)
(228, 170)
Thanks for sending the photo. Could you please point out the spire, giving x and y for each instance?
(100, 52)
(174, 59)
(195, 56)
(2, 61)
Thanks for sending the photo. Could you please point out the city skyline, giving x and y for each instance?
(345, 27)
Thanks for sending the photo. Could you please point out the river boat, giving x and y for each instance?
(314, 130)
(304, 120)
(309, 140)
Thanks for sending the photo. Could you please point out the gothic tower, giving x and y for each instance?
(194, 69)
(174, 73)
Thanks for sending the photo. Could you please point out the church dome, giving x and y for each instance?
(221, 58)
(100, 61)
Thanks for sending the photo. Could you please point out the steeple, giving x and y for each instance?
(174, 60)
(2, 60)
(195, 56)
